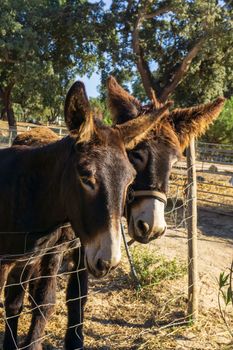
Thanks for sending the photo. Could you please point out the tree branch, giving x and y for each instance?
(158, 12)
(142, 65)
(181, 70)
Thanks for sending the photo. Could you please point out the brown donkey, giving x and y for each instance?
(154, 156)
(80, 190)
(75, 177)
(145, 157)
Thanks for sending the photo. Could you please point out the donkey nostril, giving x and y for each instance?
(102, 265)
(143, 227)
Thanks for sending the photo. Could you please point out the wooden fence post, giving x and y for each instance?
(10, 138)
(192, 233)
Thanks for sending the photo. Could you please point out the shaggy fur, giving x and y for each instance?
(104, 136)
(121, 103)
(170, 135)
(194, 121)
(184, 122)
(142, 123)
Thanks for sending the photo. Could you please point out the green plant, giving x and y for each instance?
(153, 269)
(225, 295)
(101, 110)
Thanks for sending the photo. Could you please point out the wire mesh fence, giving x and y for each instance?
(30, 273)
(117, 316)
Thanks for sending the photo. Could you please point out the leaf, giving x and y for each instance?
(229, 296)
(223, 279)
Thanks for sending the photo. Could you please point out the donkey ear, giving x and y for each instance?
(194, 121)
(136, 130)
(77, 112)
(123, 106)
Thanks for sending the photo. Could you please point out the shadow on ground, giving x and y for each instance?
(46, 345)
(214, 224)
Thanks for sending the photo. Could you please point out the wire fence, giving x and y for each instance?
(117, 316)
(21, 279)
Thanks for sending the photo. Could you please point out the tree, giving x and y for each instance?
(46, 101)
(180, 49)
(47, 41)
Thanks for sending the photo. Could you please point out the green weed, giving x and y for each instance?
(153, 269)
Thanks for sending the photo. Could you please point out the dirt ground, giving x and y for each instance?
(119, 317)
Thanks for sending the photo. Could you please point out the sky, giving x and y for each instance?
(92, 82)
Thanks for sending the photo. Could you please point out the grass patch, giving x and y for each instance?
(153, 269)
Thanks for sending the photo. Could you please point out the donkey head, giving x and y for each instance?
(98, 175)
(154, 157)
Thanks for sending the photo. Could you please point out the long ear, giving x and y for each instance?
(78, 114)
(136, 130)
(194, 121)
(123, 106)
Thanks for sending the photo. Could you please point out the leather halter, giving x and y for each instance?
(131, 195)
(161, 196)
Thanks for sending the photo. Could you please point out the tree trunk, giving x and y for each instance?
(4, 114)
(7, 112)
(143, 67)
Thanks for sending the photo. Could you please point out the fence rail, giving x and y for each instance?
(213, 188)
(214, 153)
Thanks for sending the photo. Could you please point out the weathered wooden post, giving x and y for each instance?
(10, 138)
(192, 233)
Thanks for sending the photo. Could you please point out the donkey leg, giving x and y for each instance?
(76, 298)
(43, 299)
(14, 294)
(4, 270)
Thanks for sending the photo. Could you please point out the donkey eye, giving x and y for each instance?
(137, 156)
(88, 182)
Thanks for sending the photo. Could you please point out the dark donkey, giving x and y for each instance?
(153, 159)
(80, 191)
(154, 156)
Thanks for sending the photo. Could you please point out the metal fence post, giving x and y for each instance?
(192, 234)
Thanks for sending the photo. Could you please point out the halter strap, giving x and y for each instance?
(147, 193)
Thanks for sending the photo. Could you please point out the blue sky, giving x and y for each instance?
(92, 82)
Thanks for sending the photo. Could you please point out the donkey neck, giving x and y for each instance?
(35, 204)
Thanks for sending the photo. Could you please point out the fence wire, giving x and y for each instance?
(19, 282)
(117, 316)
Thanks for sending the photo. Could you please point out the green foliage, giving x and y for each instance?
(225, 287)
(44, 45)
(100, 110)
(222, 130)
(153, 269)
(44, 103)
(166, 39)
(225, 295)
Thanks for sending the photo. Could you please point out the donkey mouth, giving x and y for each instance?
(95, 273)
(144, 238)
